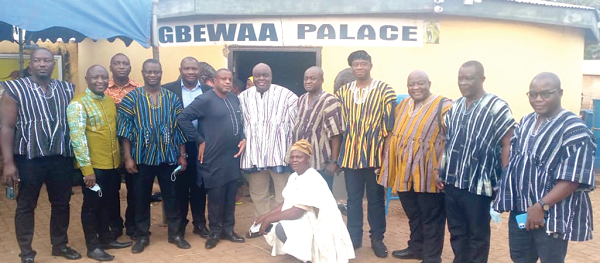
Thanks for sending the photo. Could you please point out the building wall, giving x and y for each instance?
(70, 67)
(511, 52)
(590, 91)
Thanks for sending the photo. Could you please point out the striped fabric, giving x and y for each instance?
(562, 149)
(153, 131)
(416, 145)
(268, 122)
(368, 114)
(317, 123)
(41, 128)
(473, 143)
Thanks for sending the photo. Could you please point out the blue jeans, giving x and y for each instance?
(528, 246)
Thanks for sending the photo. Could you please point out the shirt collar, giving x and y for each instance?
(198, 85)
(131, 83)
(89, 93)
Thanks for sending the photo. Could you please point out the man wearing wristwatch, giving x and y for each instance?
(153, 144)
(549, 176)
(319, 121)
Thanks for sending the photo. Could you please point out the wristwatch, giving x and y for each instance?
(184, 155)
(545, 206)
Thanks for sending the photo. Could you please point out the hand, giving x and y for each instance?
(242, 146)
(201, 152)
(130, 166)
(89, 180)
(439, 184)
(263, 228)
(10, 176)
(535, 217)
(331, 168)
(259, 219)
(182, 162)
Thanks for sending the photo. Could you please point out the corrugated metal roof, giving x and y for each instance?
(551, 3)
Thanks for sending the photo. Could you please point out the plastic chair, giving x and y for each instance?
(389, 197)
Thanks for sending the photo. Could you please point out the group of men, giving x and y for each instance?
(117, 123)
(447, 160)
(452, 160)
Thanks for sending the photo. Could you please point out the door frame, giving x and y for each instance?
(231, 58)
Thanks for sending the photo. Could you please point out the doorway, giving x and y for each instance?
(287, 63)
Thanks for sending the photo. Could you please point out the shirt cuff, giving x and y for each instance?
(87, 170)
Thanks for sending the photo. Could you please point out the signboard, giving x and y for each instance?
(295, 31)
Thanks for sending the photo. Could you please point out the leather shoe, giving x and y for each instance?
(139, 246)
(100, 255)
(211, 242)
(379, 248)
(116, 245)
(202, 231)
(116, 233)
(27, 260)
(66, 252)
(233, 237)
(180, 242)
(406, 253)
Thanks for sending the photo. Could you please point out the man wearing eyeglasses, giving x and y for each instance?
(479, 127)
(548, 178)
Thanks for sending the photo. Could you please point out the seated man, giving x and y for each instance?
(309, 224)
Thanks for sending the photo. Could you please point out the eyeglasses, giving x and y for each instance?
(544, 94)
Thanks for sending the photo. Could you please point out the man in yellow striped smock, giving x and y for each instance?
(367, 110)
(416, 144)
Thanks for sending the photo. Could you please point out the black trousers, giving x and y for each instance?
(528, 246)
(221, 208)
(427, 220)
(114, 218)
(356, 180)
(56, 173)
(130, 224)
(189, 193)
(142, 183)
(469, 224)
(97, 207)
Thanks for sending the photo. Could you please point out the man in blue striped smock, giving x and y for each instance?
(153, 144)
(37, 150)
(479, 127)
(548, 178)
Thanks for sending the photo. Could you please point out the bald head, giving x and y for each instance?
(223, 82)
(315, 69)
(262, 77)
(188, 60)
(313, 80)
(545, 94)
(546, 78)
(120, 67)
(95, 68)
(96, 78)
(418, 74)
(418, 85)
(41, 65)
(189, 70)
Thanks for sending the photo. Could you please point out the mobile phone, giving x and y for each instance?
(521, 220)
(10, 193)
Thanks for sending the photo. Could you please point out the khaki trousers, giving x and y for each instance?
(259, 190)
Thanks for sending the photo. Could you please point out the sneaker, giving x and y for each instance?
(379, 248)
